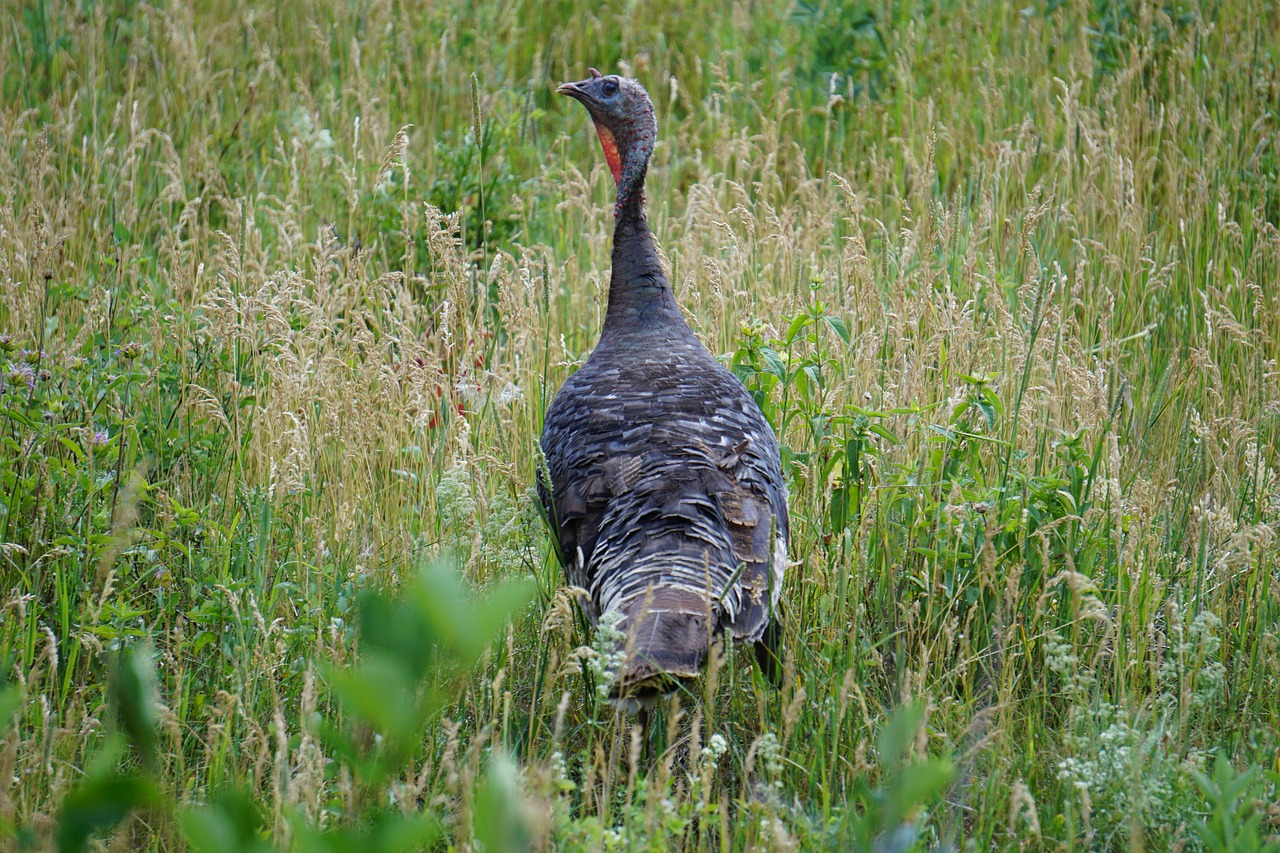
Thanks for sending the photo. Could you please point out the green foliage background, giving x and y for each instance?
(284, 292)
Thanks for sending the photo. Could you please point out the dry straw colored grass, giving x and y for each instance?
(351, 317)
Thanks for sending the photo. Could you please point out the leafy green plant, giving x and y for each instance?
(847, 40)
(791, 377)
(473, 169)
(119, 781)
(887, 817)
(414, 649)
(1236, 808)
(854, 468)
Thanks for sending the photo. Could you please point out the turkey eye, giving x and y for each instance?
(609, 88)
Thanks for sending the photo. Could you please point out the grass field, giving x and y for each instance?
(286, 288)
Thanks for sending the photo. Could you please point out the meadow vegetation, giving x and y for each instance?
(285, 290)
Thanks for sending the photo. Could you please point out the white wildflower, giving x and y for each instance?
(611, 652)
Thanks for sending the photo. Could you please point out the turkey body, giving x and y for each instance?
(666, 491)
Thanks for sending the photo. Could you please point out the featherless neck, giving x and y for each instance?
(630, 177)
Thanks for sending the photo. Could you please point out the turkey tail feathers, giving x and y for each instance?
(668, 632)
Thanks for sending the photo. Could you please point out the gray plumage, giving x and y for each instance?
(666, 491)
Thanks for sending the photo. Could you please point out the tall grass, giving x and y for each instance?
(285, 295)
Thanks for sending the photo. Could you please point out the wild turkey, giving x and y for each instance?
(666, 489)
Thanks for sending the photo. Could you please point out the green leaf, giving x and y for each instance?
(773, 363)
(898, 733)
(883, 433)
(842, 499)
(74, 448)
(103, 799)
(916, 785)
(837, 325)
(232, 821)
(494, 610)
(988, 412)
(133, 699)
(392, 833)
(801, 382)
(379, 693)
(797, 325)
(10, 702)
(992, 399)
(815, 375)
(411, 648)
(499, 819)
(406, 834)
(949, 435)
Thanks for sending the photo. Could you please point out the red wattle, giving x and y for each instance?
(611, 155)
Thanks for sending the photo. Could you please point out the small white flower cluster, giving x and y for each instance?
(1192, 668)
(560, 767)
(456, 508)
(474, 392)
(303, 128)
(716, 747)
(703, 782)
(1121, 771)
(772, 829)
(611, 652)
(1058, 655)
(769, 751)
(1066, 665)
(510, 532)
(1112, 765)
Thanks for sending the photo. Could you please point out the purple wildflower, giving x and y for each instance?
(22, 374)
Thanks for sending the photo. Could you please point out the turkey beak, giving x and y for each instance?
(573, 90)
